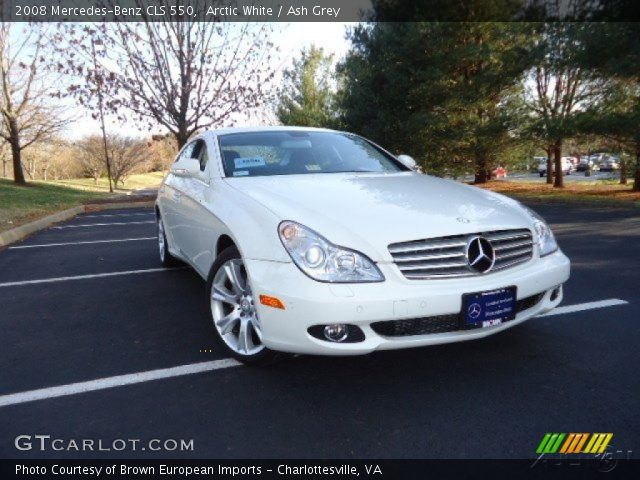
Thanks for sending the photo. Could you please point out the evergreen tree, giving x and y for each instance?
(437, 90)
(307, 98)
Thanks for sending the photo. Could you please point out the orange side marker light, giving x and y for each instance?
(271, 302)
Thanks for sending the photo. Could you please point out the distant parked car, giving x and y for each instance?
(598, 157)
(537, 161)
(500, 172)
(610, 164)
(587, 163)
(567, 167)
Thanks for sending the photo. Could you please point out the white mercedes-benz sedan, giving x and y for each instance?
(321, 242)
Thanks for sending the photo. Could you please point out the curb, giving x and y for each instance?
(19, 233)
(581, 202)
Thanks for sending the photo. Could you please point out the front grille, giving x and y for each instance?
(417, 326)
(447, 256)
(438, 323)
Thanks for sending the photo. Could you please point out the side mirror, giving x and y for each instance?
(408, 162)
(186, 167)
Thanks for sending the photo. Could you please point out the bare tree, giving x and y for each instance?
(91, 156)
(128, 155)
(179, 74)
(163, 151)
(26, 115)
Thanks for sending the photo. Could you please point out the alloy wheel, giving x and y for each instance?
(233, 309)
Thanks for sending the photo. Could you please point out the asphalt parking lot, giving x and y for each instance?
(92, 328)
(578, 177)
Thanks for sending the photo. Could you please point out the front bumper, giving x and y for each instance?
(309, 303)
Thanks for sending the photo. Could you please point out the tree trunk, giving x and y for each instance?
(181, 136)
(557, 154)
(16, 153)
(549, 167)
(481, 169)
(623, 172)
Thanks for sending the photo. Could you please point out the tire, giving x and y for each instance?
(541, 174)
(166, 259)
(233, 313)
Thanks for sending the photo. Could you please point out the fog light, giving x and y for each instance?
(555, 293)
(353, 333)
(336, 332)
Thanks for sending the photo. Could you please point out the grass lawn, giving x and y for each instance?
(603, 192)
(19, 205)
(134, 182)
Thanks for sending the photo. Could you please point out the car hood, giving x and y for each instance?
(367, 212)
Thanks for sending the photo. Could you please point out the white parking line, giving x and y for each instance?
(141, 377)
(117, 215)
(101, 224)
(84, 277)
(117, 381)
(82, 243)
(580, 307)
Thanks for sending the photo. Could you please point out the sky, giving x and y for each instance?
(291, 38)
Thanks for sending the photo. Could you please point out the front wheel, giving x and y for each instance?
(233, 311)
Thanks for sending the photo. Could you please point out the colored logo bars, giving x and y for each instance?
(574, 443)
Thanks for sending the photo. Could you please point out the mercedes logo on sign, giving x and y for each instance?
(480, 255)
(474, 310)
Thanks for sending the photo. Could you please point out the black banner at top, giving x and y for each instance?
(317, 10)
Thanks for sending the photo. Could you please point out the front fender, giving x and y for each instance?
(251, 225)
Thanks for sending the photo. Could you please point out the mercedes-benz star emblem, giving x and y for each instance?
(474, 310)
(480, 255)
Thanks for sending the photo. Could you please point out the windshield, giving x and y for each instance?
(299, 152)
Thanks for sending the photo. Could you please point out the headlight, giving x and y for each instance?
(324, 261)
(546, 240)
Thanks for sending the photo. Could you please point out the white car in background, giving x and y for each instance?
(320, 242)
(567, 166)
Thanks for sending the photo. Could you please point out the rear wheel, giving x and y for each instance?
(233, 312)
(166, 259)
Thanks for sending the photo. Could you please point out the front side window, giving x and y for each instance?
(196, 150)
(187, 152)
(300, 152)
